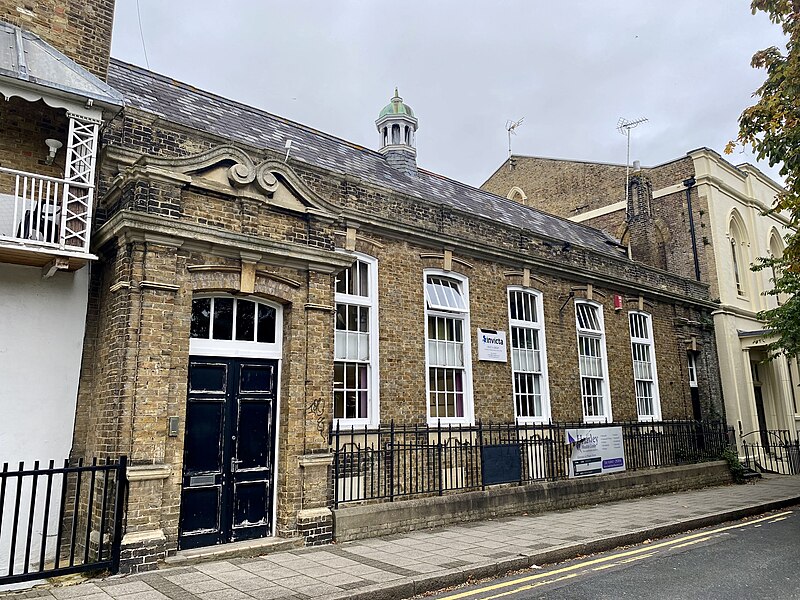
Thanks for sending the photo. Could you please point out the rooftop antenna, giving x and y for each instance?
(624, 126)
(511, 126)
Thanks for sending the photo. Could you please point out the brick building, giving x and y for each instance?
(700, 217)
(248, 293)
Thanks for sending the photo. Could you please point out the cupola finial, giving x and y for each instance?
(397, 127)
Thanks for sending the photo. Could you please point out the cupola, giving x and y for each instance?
(397, 127)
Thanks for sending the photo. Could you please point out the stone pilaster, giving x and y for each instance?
(154, 289)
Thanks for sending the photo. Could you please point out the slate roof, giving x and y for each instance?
(181, 103)
(26, 57)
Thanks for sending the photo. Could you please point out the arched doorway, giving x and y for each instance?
(228, 486)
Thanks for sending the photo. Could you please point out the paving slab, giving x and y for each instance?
(399, 566)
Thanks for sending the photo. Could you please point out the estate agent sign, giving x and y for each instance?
(595, 451)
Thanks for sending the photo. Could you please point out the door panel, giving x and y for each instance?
(228, 472)
(252, 463)
(208, 377)
(252, 445)
(203, 443)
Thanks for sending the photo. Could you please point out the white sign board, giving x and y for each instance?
(595, 451)
(492, 345)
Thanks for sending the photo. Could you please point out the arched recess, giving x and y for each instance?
(739, 243)
(776, 244)
(776, 247)
(230, 444)
(663, 244)
(517, 195)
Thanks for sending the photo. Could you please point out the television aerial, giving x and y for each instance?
(511, 127)
(624, 126)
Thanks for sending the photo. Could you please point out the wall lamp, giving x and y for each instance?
(53, 146)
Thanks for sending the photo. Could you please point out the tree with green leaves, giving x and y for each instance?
(771, 127)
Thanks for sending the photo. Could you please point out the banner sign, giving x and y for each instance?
(492, 345)
(595, 451)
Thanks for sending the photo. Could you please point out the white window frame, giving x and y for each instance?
(649, 342)
(464, 315)
(600, 335)
(739, 258)
(240, 348)
(373, 377)
(738, 276)
(539, 327)
(691, 363)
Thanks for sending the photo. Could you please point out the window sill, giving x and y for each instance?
(353, 424)
(448, 422)
(533, 420)
(649, 419)
(596, 420)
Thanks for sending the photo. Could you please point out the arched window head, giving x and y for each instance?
(737, 236)
(775, 245)
(776, 251)
(517, 195)
(447, 355)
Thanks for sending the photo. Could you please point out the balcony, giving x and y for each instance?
(44, 221)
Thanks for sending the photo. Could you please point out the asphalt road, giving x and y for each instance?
(754, 558)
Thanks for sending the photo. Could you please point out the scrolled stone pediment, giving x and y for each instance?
(228, 170)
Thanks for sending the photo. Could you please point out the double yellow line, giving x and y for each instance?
(533, 581)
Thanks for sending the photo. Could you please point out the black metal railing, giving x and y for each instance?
(398, 461)
(57, 520)
(771, 451)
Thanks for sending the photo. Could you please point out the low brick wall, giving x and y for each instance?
(371, 520)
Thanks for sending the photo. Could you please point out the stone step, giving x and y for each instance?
(243, 549)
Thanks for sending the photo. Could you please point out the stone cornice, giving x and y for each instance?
(393, 230)
(191, 236)
(389, 228)
(728, 309)
(726, 188)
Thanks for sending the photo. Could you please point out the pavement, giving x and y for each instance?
(399, 566)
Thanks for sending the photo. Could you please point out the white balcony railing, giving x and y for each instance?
(44, 211)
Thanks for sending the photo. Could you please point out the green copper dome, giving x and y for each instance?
(396, 107)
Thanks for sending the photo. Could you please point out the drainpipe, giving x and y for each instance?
(689, 183)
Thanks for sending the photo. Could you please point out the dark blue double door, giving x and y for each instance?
(229, 445)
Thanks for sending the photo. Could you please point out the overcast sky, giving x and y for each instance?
(570, 68)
